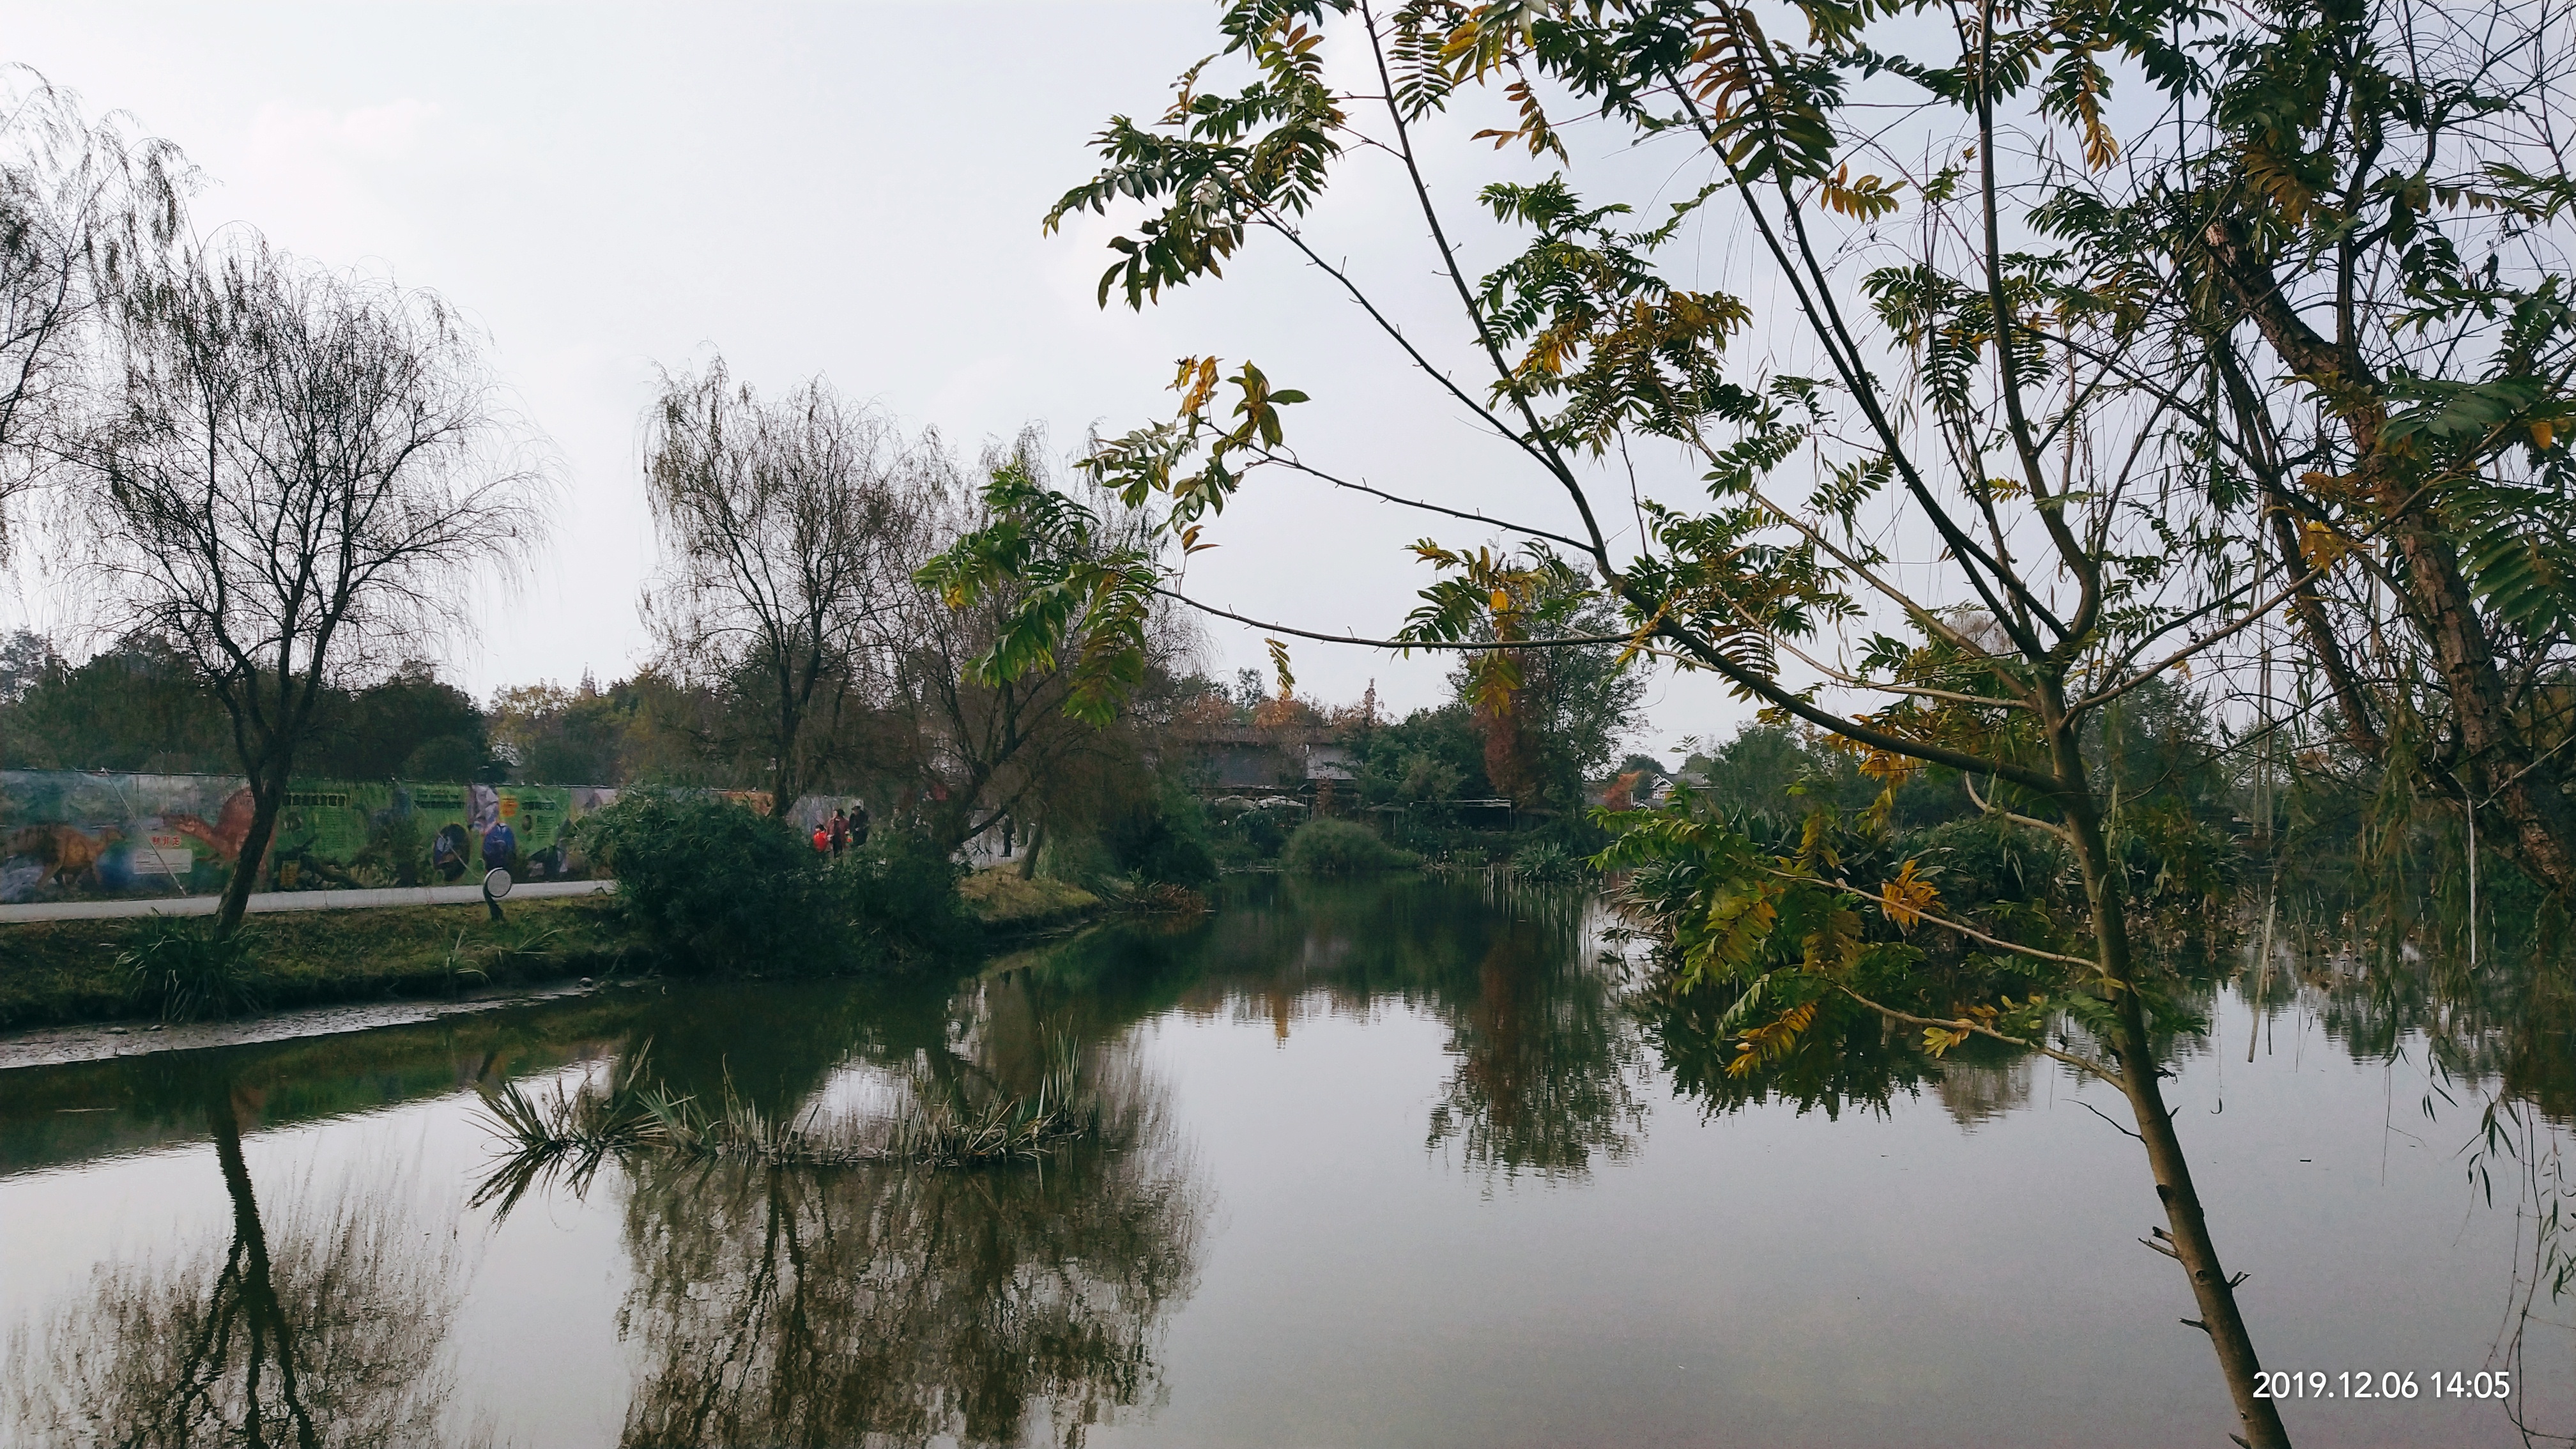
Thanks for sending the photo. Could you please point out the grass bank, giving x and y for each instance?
(57, 973)
(54, 973)
(1009, 906)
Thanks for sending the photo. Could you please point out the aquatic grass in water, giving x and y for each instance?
(186, 971)
(574, 1133)
(1547, 860)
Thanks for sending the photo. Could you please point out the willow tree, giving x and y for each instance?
(300, 478)
(1918, 485)
(987, 746)
(324, 1324)
(83, 204)
(783, 527)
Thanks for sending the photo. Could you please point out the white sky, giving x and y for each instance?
(847, 190)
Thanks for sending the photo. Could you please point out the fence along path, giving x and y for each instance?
(266, 902)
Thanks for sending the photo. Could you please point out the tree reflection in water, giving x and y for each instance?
(326, 1329)
(1549, 1067)
(1548, 1071)
(898, 1304)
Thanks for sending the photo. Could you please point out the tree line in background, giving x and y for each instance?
(266, 491)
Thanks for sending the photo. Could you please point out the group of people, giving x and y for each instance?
(843, 831)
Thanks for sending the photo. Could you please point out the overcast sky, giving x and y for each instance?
(854, 191)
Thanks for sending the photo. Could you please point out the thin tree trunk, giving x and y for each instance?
(2523, 789)
(2186, 1237)
(266, 800)
(2310, 610)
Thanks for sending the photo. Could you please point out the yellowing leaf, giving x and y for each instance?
(1887, 766)
(1196, 383)
(1906, 897)
(1772, 1041)
(1867, 199)
(2321, 545)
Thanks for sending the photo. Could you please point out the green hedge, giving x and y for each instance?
(1338, 847)
(717, 887)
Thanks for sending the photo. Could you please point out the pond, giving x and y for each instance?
(1387, 1163)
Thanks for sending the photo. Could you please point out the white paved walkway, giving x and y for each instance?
(262, 904)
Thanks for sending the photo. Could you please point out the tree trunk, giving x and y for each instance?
(2541, 830)
(2522, 788)
(2186, 1238)
(266, 799)
(783, 784)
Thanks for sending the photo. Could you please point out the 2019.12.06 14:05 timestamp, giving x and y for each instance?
(2392, 1384)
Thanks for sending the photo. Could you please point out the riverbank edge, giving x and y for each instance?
(59, 974)
(64, 973)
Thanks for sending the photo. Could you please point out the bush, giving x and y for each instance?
(1075, 859)
(713, 885)
(899, 895)
(1251, 838)
(182, 970)
(1547, 860)
(1338, 847)
(1162, 837)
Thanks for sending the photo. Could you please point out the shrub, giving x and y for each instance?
(1250, 838)
(713, 885)
(1163, 837)
(184, 971)
(1338, 847)
(1546, 860)
(1076, 859)
(899, 895)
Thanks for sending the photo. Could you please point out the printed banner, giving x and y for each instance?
(66, 835)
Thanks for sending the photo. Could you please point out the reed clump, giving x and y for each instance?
(572, 1133)
(185, 970)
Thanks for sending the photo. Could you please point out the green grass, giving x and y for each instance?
(178, 966)
(1009, 905)
(55, 972)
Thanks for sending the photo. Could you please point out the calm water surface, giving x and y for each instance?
(1382, 1164)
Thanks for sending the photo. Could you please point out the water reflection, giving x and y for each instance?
(735, 1303)
(327, 1327)
(1549, 1066)
(2509, 1023)
(902, 1305)
(1547, 1069)
(897, 1303)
